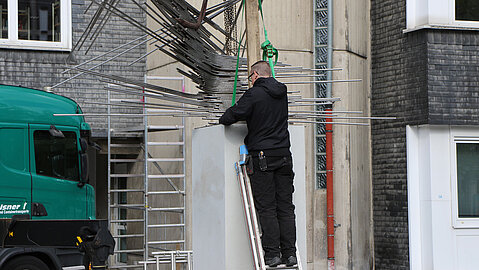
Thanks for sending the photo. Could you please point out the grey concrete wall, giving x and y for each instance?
(351, 150)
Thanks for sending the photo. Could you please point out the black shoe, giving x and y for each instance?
(290, 261)
(273, 262)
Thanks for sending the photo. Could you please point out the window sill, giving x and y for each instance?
(36, 47)
(442, 27)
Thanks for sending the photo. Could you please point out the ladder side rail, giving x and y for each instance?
(256, 227)
(247, 211)
(183, 154)
(300, 266)
(254, 220)
(109, 153)
(145, 181)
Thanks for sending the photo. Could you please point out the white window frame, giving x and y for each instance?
(65, 43)
(439, 14)
(462, 136)
(473, 24)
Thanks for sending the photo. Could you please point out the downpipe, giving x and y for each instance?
(329, 146)
(329, 190)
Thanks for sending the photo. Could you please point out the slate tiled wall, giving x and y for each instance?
(453, 77)
(37, 69)
(428, 76)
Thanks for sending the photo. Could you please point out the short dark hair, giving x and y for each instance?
(262, 68)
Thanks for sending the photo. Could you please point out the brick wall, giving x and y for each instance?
(37, 69)
(422, 77)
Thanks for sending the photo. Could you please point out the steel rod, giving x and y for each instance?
(311, 104)
(129, 115)
(315, 99)
(99, 28)
(322, 112)
(178, 100)
(149, 87)
(343, 117)
(143, 56)
(325, 81)
(151, 107)
(100, 64)
(334, 123)
(105, 53)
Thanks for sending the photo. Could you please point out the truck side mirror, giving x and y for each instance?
(84, 170)
(83, 145)
(56, 132)
(84, 163)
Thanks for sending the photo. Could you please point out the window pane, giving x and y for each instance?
(56, 157)
(3, 19)
(39, 20)
(467, 10)
(468, 179)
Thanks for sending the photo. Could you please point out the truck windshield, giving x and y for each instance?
(56, 157)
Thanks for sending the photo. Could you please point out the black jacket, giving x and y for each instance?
(265, 109)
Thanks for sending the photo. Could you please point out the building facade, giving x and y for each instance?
(424, 72)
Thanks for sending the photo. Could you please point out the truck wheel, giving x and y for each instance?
(25, 263)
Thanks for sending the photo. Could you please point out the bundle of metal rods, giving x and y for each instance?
(187, 35)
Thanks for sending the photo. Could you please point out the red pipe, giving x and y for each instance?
(329, 191)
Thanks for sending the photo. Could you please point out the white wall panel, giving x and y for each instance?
(220, 237)
(433, 242)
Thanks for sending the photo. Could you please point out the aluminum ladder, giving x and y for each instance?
(252, 222)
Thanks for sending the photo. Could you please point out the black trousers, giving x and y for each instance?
(273, 197)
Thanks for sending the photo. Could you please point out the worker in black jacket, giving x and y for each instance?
(265, 109)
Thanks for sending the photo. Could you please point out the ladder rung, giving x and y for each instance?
(127, 175)
(165, 143)
(126, 220)
(165, 226)
(126, 205)
(165, 260)
(165, 127)
(127, 190)
(167, 209)
(283, 267)
(166, 242)
(129, 251)
(126, 99)
(165, 192)
(126, 160)
(125, 266)
(166, 159)
(166, 176)
(174, 252)
(128, 235)
(125, 145)
(151, 128)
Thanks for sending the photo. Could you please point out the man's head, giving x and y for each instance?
(259, 69)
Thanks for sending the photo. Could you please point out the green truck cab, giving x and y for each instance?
(43, 178)
(41, 164)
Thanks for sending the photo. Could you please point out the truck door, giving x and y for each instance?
(55, 168)
(15, 178)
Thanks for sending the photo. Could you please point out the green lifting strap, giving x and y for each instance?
(268, 50)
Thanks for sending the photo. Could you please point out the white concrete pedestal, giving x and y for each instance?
(220, 236)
